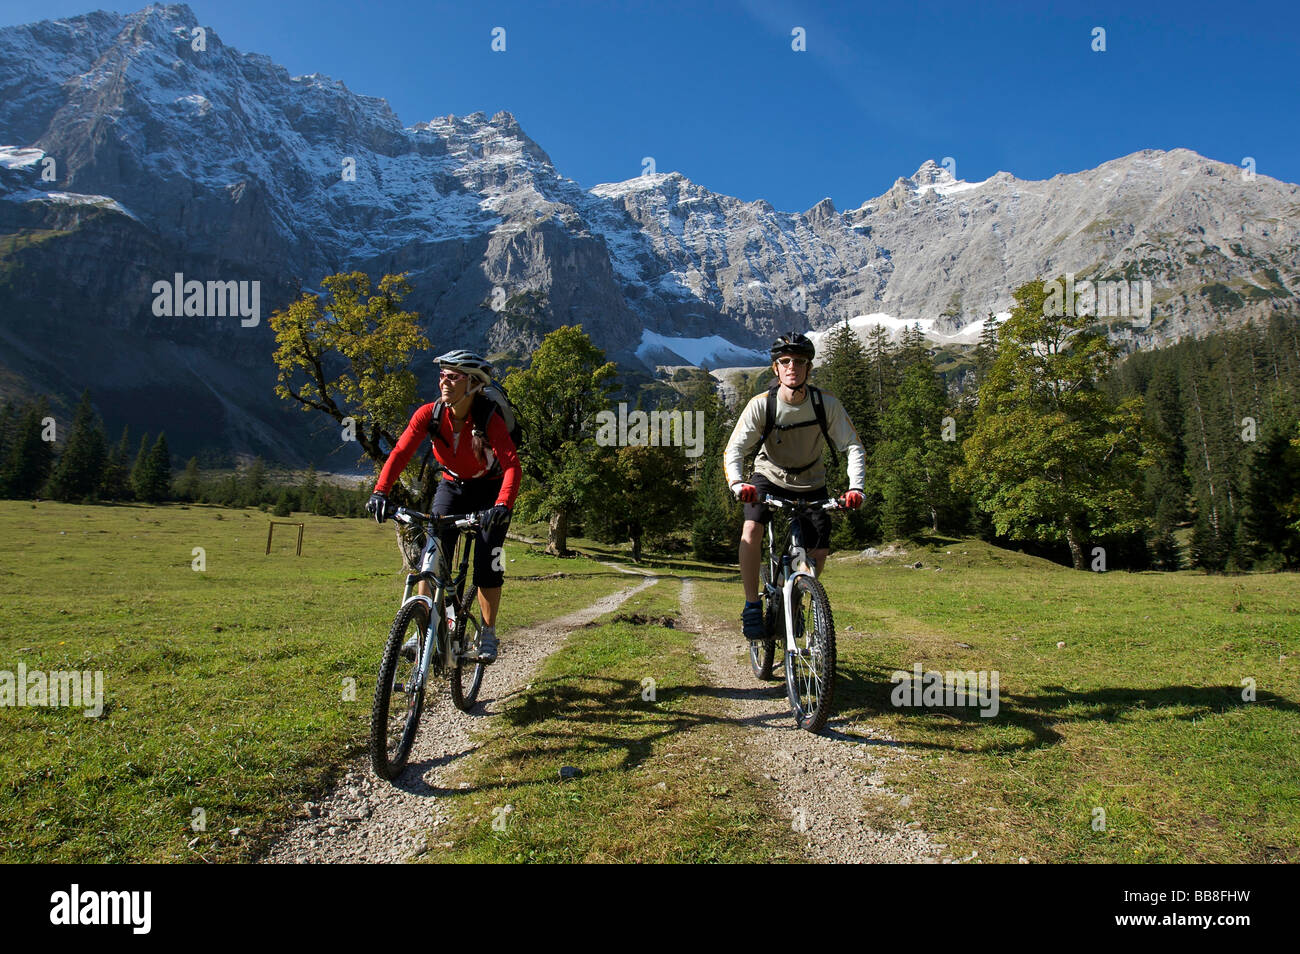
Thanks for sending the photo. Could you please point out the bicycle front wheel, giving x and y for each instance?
(810, 667)
(395, 715)
(467, 674)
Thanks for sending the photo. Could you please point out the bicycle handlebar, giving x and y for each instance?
(782, 503)
(460, 522)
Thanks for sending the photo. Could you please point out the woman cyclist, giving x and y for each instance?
(481, 473)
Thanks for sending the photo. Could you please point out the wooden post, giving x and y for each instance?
(270, 530)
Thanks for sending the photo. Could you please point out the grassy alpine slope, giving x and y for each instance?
(1140, 714)
(226, 690)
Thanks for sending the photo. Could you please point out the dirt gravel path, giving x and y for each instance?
(823, 782)
(365, 819)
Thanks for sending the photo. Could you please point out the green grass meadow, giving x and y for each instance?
(1140, 714)
(243, 689)
(240, 690)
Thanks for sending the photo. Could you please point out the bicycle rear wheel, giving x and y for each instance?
(466, 675)
(810, 668)
(762, 652)
(395, 714)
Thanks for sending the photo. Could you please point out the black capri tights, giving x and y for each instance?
(461, 497)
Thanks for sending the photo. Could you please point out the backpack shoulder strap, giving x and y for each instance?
(769, 419)
(481, 411)
(819, 409)
(435, 426)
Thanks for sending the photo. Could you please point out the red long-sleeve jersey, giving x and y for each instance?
(455, 452)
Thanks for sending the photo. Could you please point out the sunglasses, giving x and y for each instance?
(452, 376)
(789, 362)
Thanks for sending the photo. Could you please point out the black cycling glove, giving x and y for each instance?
(498, 516)
(378, 506)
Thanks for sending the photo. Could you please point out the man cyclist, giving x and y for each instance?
(481, 473)
(789, 461)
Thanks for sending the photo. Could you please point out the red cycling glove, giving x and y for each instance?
(747, 493)
(853, 499)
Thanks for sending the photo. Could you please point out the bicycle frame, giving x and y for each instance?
(430, 560)
(784, 570)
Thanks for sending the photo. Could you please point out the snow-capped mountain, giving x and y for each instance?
(136, 147)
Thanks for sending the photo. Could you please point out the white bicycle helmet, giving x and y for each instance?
(467, 361)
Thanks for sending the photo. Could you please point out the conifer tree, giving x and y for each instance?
(913, 350)
(80, 469)
(882, 376)
(1271, 500)
(913, 463)
(1209, 435)
(140, 467)
(846, 373)
(987, 349)
(30, 457)
(190, 486)
(116, 484)
(307, 493)
(9, 420)
(152, 475)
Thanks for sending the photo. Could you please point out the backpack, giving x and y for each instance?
(819, 410)
(491, 399)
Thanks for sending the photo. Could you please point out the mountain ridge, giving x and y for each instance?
(219, 164)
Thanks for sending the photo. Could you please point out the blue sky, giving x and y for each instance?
(716, 92)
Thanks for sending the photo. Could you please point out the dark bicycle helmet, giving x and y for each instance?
(467, 361)
(793, 343)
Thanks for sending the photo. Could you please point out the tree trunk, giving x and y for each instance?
(636, 548)
(557, 535)
(1073, 538)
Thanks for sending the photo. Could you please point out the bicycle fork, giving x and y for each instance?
(430, 636)
(789, 572)
(787, 596)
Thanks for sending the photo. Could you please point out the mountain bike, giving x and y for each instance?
(449, 648)
(797, 611)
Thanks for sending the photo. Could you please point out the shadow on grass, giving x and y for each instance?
(864, 693)
(589, 717)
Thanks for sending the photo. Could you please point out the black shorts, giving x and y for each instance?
(816, 527)
(460, 497)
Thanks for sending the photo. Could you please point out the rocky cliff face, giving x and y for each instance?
(135, 147)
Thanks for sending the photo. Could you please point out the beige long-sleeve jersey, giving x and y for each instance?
(796, 447)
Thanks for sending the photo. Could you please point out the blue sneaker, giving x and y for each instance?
(751, 620)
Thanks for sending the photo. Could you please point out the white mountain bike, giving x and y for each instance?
(797, 611)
